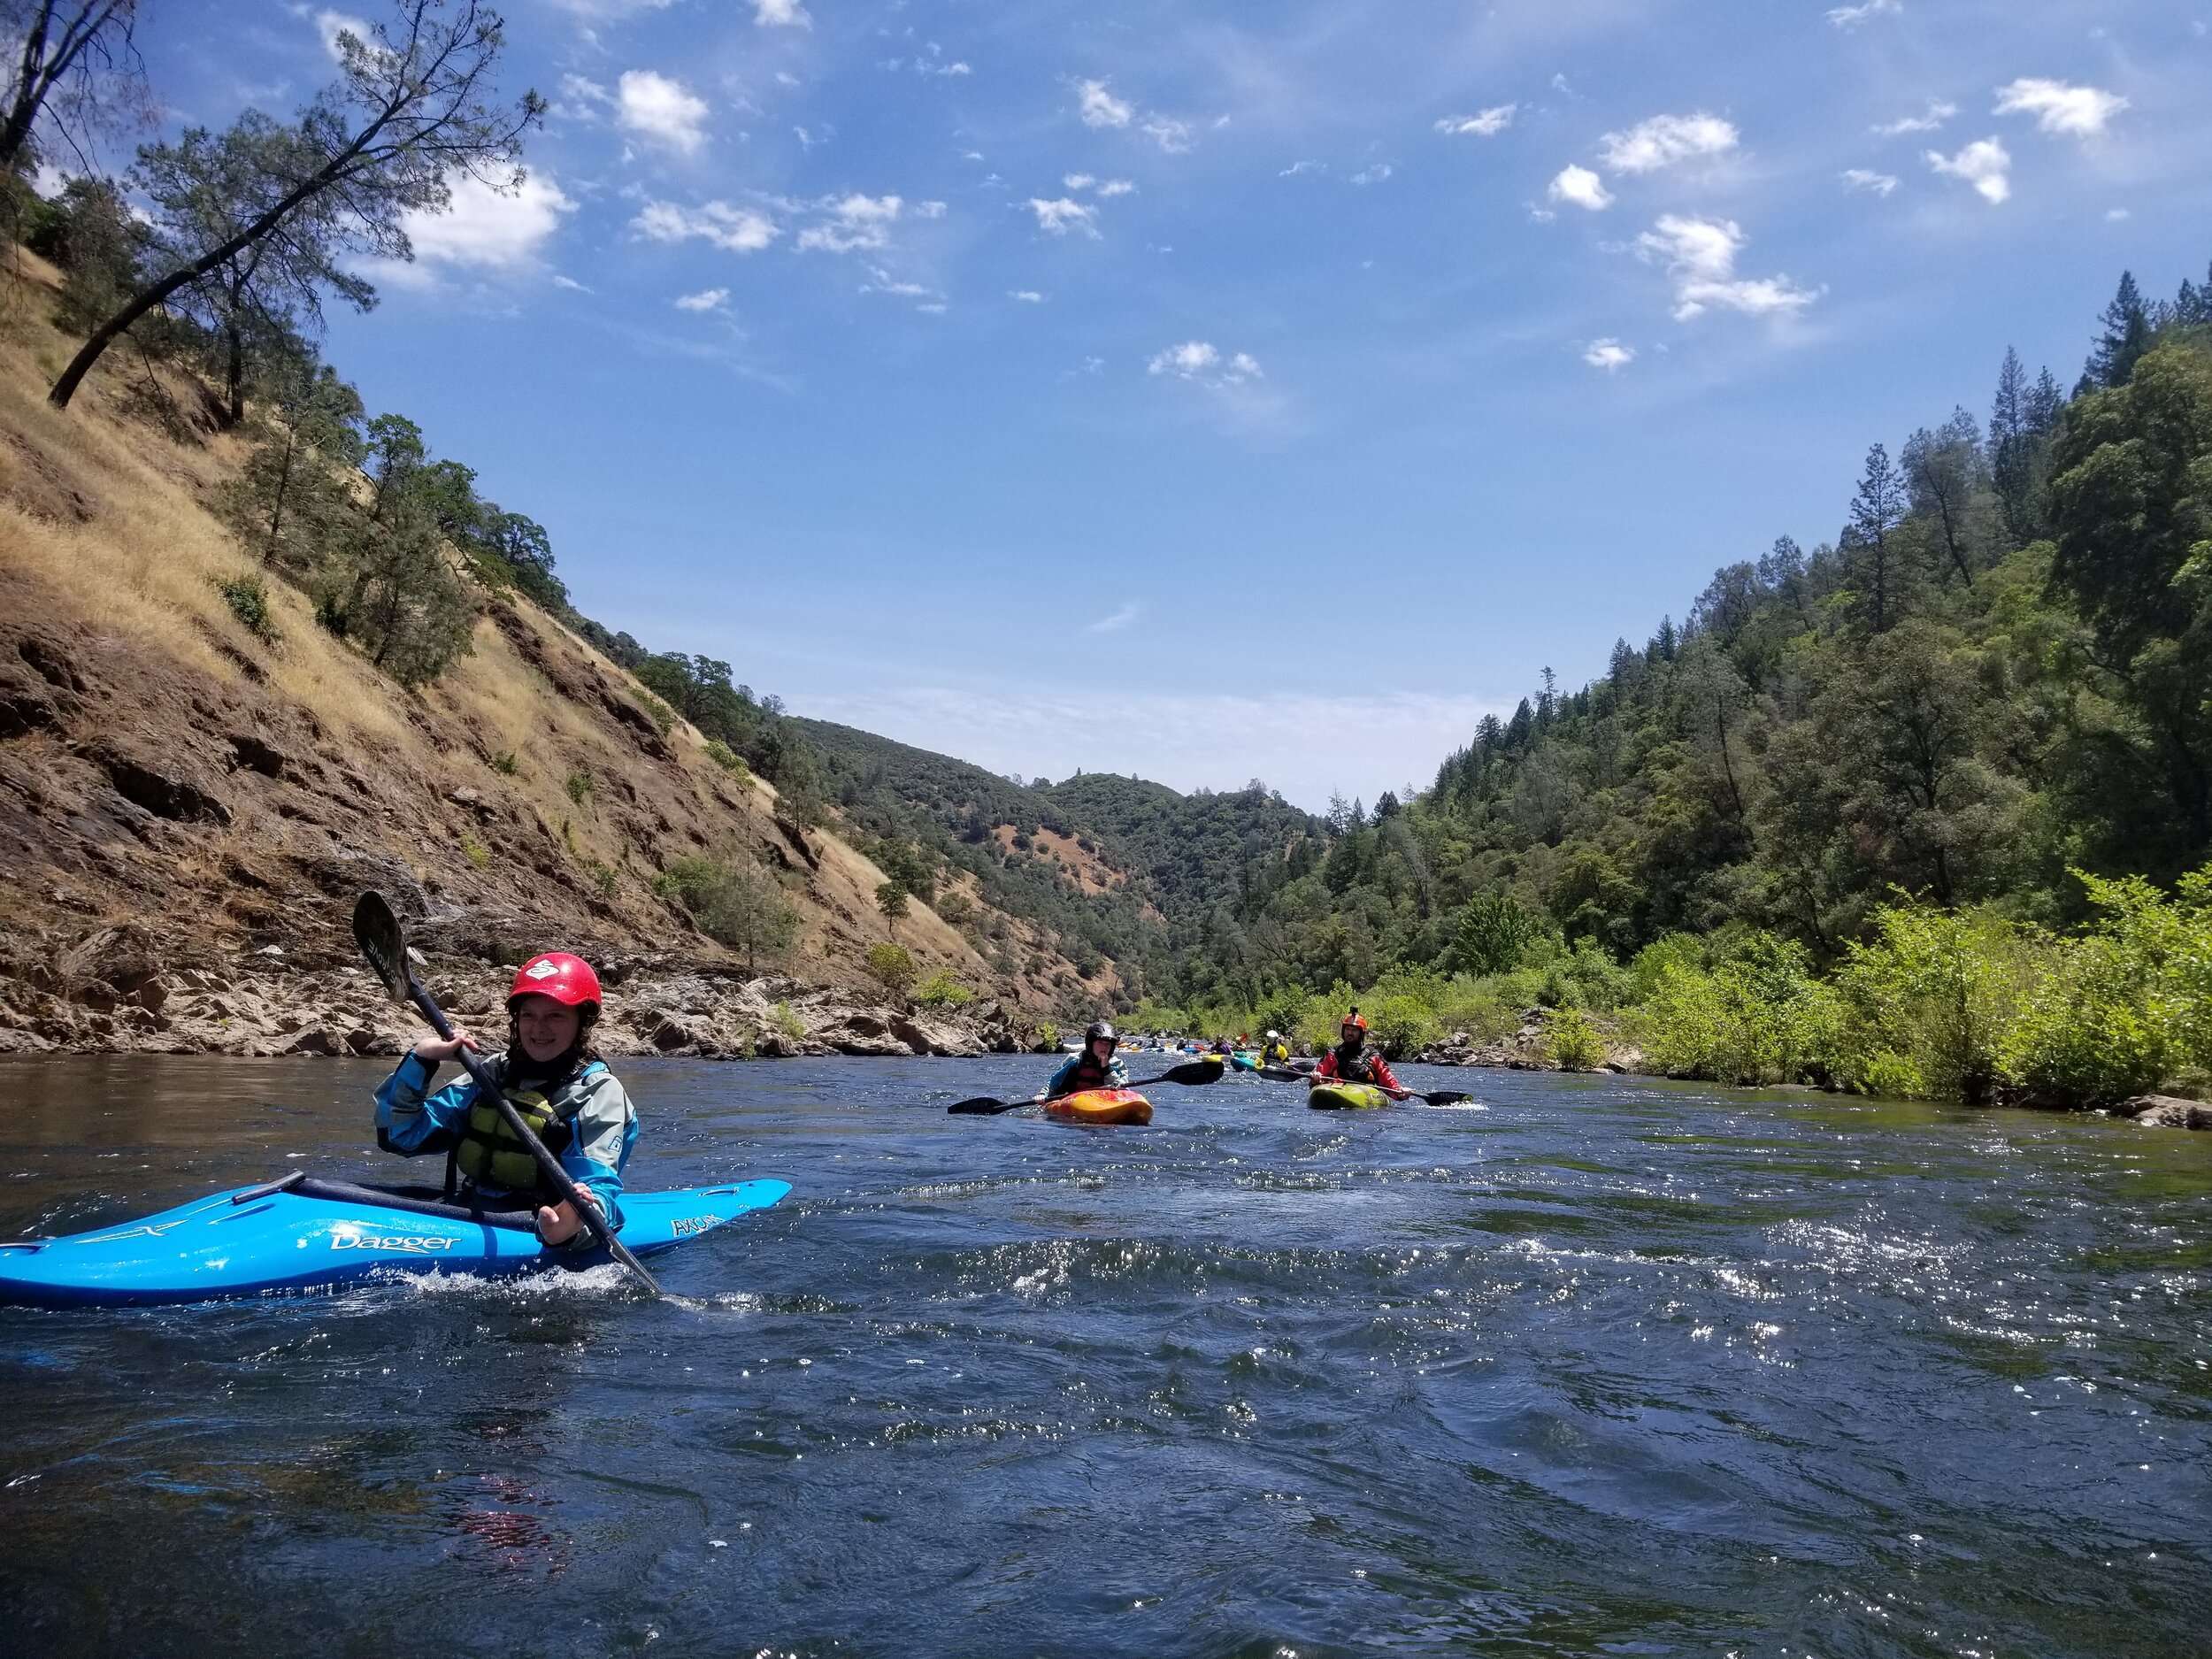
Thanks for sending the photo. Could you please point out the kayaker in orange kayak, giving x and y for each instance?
(1098, 1066)
(1352, 1061)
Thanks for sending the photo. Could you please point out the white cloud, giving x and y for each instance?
(2082, 111)
(1541, 215)
(785, 78)
(1486, 124)
(929, 209)
(661, 110)
(1937, 113)
(2116, 215)
(1296, 168)
(1199, 361)
(327, 24)
(1581, 187)
(1100, 108)
(881, 281)
(1120, 619)
(571, 284)
(1027, 296)
(1063, 214)
(1851, 16)
(1078, 180)
(780, 14)
(582, 99)
(1374, 175)
(1985, 164)
(807, 140)
(1117, 187)
(1700, 256)
(856, 221)
(732, 229)
(1860, 179)
(1665, 140)
(1169, 135)
(1609, 353)
(485, 228)
(704, 300)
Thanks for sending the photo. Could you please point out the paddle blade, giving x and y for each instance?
(377, 931)
(1447, 1097)
(982, 1106)
(1195, 1072)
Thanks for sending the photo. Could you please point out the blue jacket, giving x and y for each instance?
(602, 1124)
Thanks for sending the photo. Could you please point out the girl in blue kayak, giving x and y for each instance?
(558, 1085)
(1098, 1066)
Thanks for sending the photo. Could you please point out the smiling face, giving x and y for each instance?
(546, 1029)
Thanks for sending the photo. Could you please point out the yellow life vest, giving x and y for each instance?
(490, 1153)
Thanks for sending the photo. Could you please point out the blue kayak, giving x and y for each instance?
(301, 1233)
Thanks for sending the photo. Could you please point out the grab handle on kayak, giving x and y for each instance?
(283, 1184)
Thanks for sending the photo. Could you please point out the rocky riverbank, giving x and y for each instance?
(127, 990)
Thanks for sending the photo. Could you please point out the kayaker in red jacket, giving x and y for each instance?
(1352, 1061)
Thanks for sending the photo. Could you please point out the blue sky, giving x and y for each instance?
(1211, 391)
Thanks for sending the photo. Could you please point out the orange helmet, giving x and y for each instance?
(567, 979)
(1355, 1021)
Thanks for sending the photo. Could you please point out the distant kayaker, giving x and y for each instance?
(1277, 1050)
(559, 1084)
(1352, 1061)
(1098, 1066)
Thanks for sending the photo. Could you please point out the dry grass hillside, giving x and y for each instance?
(160, 765)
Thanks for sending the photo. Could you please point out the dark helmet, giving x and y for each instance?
(1101, 1028)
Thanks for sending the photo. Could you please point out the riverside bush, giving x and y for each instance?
(942, 990)
(249, 601)
(1930, 1005)
(892, 965)
(1572, 1043)
(1758, 1016)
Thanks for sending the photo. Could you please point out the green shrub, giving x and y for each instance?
(892, 964)
(603, 876)
(249, 602)
(1931, 1003)
(663, 716)
(579, 786)
(942, 990)
(475, 851)
(1047, 1034)
(733, 901)
(1760, 1017)
(2125, 1006)
(505, 763)
(730, 760)
(1572, 1043)
(1400, 1024)
(786, 1022)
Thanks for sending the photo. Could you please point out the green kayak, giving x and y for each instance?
(1345, 1096)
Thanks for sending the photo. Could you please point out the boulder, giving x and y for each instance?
(2165, 1111)
(162, 785)
(669, 1033)
(937, 1036)
(317, 1039)
(124, 957)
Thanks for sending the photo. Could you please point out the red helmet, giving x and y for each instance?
(1356, 1021)
(567, 979)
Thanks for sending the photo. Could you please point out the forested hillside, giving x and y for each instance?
(1919, 754)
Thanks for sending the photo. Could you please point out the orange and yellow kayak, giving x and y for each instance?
(1101, 1106)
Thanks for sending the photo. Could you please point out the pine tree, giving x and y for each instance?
(1876, 510)
(2125, 336)
(2012, 448)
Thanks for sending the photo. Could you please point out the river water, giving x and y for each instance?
(1595, 1367)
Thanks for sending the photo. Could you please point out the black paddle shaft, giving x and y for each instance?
(386, 948)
